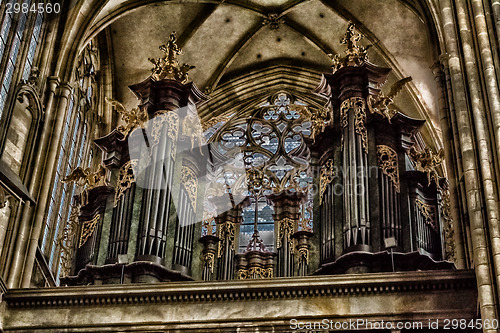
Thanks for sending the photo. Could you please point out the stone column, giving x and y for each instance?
(486, 290)
(51, 137)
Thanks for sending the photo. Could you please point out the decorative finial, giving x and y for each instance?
(168, 66)
(256, 244)
(355, 54)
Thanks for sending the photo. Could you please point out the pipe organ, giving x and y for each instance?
(333, 182)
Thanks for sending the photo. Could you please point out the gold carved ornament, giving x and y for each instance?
(320, 118)
(327, 173)
(225, 233)
(192, 129)
(380, 103)
(208, 260)
(190, 182)
(429, 214)
(67, 240)
(448, 225)
(213, 121)
(88, 228)
(167, 67)
(86, 178)
(172, 120)
(388, 163)
(303, 255)
(427, 161)
(355, 55)
(257, 181)
(135, 118)
(359, 107)
(255, 273)
(285, 226)
(125, 179)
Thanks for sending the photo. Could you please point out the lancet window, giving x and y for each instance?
(73, 151)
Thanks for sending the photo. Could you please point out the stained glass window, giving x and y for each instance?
(270, 139)
(11, 61)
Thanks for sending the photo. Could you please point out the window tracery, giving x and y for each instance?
(270, 139)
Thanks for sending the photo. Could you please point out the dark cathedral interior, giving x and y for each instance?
(249, 166)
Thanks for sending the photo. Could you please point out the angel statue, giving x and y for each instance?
(133, 118)
(380, 104)
(87, 178)
(427, 161)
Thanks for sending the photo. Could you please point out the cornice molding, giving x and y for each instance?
(234, 290)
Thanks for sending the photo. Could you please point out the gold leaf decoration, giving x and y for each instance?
(429, 214)
(327, 174)
(125, 179)
(190, 182)
(285, 226)
(88, 228)
(388, 163)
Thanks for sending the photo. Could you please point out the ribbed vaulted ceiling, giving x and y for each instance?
(228, 39)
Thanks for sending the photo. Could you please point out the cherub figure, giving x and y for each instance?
(427, 161)
(380, 104)
(133, 118)
(87, 178)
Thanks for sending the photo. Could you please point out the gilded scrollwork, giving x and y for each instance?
(303, 255)
(429, 214)
(190, 182)
(285, 229)
(171, 119)
(427, 161)
(327, 173)
(125, 179)
(192, 129)
(88, 228)
(225, 233)
(320, 118)
(447, 225)
(358, 105)
(135, 118)
(355, 55)
(388, 163)
(380, 103)
(208, 261)
(66, 240)
(255, 273)
(167, 67)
